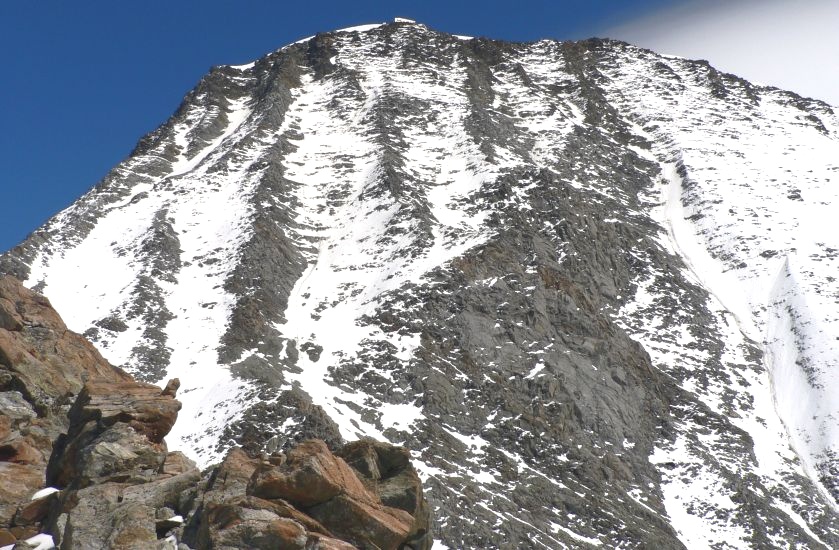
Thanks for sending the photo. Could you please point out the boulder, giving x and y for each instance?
(237, 523)
(34, 511)
(117, 453)
(18, 482)
(386, 470)
(365, 524)
(231, 477)
(310, 475)
(95, 517)
(146, 408)
(116, 432)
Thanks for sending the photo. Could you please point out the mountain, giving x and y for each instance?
(592, 288)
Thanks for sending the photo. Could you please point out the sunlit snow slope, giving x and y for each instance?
(590, 287)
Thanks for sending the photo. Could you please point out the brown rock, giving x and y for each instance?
(5, 426)
(250, 523)
(21, 306)
(387, 472)
(232, 476)
(9, 317)
(364, 524)
(177, 463)
(6, 537)
(42, 366)
(34, 511)
(321, 542)
(18, 482)
(310, 476)
(171, 387)
(141, 406)
(21, 451)
(23, 532)
(46, 360)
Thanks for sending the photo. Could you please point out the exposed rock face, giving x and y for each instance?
(43, 367)
(117, 486)
(307, 497)
(589, 287)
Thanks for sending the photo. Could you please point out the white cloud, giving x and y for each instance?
(789, 44)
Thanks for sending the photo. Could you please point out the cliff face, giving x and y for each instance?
(98, 474)
(588, 286)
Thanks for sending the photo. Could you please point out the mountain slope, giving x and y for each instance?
(588, 285)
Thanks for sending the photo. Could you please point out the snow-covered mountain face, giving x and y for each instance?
(591, 287)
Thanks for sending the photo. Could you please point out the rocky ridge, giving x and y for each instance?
(588, 286)
(112, 483)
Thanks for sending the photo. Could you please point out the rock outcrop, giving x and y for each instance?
(309, 497)
(43, 366)
(95, 438)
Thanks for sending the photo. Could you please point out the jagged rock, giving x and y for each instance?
(17, 483)
(365, 524)
(387, 471)
(44, 361)
(246, 521)
(310, 475)
(116, 431)
(144, 407)
(116, 467)
(249, 502)
(42, 367)
(96, 518)
(34, 511)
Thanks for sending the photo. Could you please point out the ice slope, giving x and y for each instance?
(448, 242)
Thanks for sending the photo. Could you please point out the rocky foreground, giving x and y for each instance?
(83, 460)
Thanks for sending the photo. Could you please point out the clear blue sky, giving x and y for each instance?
(83, 81)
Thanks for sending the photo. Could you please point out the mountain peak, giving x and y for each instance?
(577, 280)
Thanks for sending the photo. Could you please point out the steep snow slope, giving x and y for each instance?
(746, 201)
(589, 286)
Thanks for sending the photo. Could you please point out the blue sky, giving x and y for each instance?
(83, 81)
